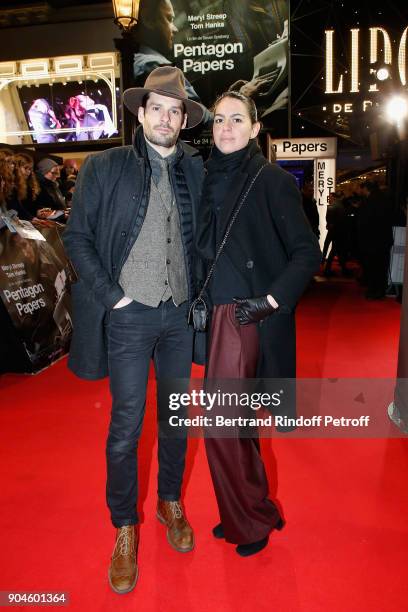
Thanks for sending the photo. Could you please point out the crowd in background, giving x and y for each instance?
(359, 229)
(358, 219)
(41, 190)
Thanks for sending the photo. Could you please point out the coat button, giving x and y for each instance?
(114, 268)
(167, 261)
(168, 219)
(168, 240)
(166, 282)
(123, 234)
(250, 264)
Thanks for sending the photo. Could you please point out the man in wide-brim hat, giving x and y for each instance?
(130, 238)
(169, 82)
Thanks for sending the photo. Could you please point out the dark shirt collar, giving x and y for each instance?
(154, 156)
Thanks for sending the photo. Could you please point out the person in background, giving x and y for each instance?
(329, 238)
(50, 199)
(69, 171)
(310, 207)
(43, 121)
(375, 238)
(269, 258)
(27, 187)
(2, 184)
(6, 188)
(69, 188)
(69, 168)
(8, 165)
(336, 223)
(352, 202)
(90, 120)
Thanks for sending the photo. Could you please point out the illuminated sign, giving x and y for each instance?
(304, 148)
(382, 51)
(323, 152)
(338, 83)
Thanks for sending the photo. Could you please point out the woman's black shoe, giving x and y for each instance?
(218, 531)
(246, 550)
(279, 525)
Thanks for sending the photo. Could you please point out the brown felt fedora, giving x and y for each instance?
(166, 81)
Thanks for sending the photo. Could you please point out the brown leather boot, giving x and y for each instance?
(123, 571)
(179, 533)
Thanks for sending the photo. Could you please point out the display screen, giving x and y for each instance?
(70, 111)
(302, 170)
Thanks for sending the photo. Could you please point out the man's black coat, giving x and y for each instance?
(108, 210)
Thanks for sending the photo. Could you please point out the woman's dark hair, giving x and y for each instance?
(237, 95)
(25, 187)
(6, 173)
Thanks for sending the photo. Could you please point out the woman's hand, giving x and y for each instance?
(252, 310)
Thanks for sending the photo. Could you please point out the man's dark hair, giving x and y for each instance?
(145, 99)
(147, 96)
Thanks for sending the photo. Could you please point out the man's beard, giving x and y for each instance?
(162, 140)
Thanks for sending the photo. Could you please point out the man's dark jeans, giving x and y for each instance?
(135, 334)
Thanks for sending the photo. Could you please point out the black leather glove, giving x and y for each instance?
(252, 310)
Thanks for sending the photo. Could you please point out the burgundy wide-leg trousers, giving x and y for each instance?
(236, 465)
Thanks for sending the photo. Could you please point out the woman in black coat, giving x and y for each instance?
(269, 258)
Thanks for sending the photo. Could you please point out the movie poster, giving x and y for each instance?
(34, 288)
(220, 45)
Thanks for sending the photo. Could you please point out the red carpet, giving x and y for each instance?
(345, 545)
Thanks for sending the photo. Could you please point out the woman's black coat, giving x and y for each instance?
(272, 246)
